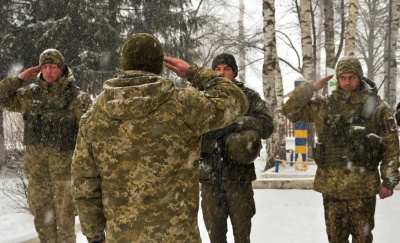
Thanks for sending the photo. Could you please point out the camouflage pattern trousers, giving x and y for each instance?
(236, 201)
(349, 216)
(49, 193)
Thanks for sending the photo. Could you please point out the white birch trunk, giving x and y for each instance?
(390, 64)
(320, 28)
(2, 143)
(306, 40)
(329, 34)
(351, 30)
(242, 50)
(307, 54)
(272, 86)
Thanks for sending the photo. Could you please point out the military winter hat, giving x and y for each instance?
(143, 52)
(51, 56)
(226, 58)
(349, 65)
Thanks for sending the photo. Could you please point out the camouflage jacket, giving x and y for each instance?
(349, 182)
(257, 118)
(51, 112)
(135, 166)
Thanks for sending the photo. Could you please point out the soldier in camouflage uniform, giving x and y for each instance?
(398, 114)
(356, 133)
(135, 166)
(51, 109)
(227, 168)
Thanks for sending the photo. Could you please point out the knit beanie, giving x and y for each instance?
(51, 56)
(228, 59)
(143, 52)
(349, 65)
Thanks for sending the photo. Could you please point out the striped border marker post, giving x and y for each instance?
(300, 139)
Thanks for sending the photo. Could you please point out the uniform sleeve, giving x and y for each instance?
(299, 107)
(86, 184)
(8, 93)
(390, 140)
(84, 104)
(212, 102)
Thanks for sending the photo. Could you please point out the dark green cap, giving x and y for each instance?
(143, 52)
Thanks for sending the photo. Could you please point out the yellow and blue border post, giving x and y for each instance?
(300, 133)
(300, 140)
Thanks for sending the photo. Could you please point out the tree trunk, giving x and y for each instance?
(329, 34)
(272, 86)
(242, 50)
(2, 142)
(371, 44)
(351, 30)
(307, 53)
(320, 27)
(306, 40)
(390, 64)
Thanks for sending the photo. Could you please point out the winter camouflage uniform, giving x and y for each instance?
(135, 166)
(226, 186)
(51, 114)
(356, 133)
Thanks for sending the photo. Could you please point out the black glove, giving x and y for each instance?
(222, 132)
(248, 123)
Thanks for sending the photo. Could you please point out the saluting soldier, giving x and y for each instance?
(135, 166)
(51, 108)
(356, 134)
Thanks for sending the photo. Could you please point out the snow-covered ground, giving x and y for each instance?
(283, 216)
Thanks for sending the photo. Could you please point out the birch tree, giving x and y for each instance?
(272, 85)
(2, 143)
(318, 40)
(390, 63)
(307, 49)
(351, 30)
(306, 40)
(329, 27)
(242, 50)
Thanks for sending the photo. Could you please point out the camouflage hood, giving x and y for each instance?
(134, 94)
